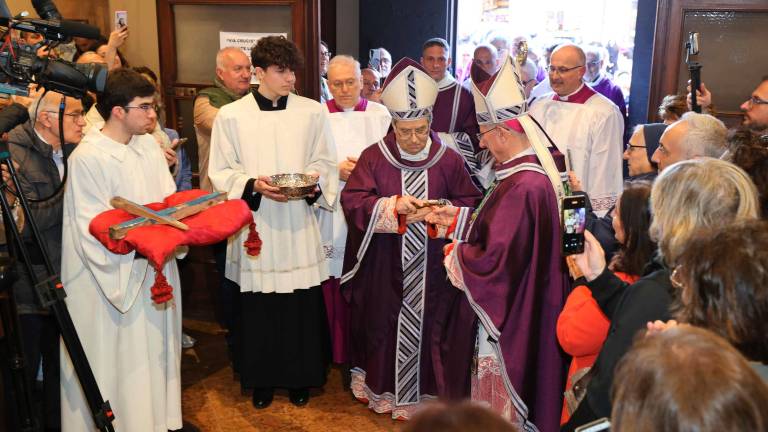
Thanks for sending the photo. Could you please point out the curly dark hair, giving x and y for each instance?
(749, 150)
(635, 217)
(723, 275)
(277, 51)
(672, 107)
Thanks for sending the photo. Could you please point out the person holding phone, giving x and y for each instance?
(506, 261)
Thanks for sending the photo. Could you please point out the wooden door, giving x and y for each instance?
(188, 32)
(732, 38)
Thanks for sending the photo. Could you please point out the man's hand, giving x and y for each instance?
(442, 215)
(417, 216)
(263, 185)
(703, 96)
(575, 183)
(346, 167)
(407, 204)
(592, 261)
(170, 156)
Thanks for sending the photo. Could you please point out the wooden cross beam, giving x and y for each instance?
(170, 216)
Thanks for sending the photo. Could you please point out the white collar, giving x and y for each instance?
(597, 80)
(420, 156)
(565, 98)
(527, 152)
(447, 81)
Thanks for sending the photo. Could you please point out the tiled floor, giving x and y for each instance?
(212, 400)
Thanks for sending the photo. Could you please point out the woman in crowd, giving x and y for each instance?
(693, 194)
(582, 326)
(687, 379)
(722, 283)
(672, 107)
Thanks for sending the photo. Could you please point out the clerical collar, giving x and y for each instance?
(446, 82)
(420, 156)
(580, 96)
(268, 105)
(527, 152)
(597, 80)
(333, 107)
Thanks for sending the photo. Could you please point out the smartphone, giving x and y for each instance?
(121, 19)
(574, 222)
(181, 142)
(374, 59)
(598, 425)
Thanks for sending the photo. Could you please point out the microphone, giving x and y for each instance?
(12, 116)
(46, 9)
(4, 11)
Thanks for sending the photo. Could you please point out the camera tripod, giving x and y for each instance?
(51, 294)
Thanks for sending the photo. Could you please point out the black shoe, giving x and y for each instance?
(262, 397)
(299, 397)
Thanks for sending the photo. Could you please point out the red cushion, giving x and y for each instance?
(157, 242)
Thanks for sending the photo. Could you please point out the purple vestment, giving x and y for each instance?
(516, 282)
(373, 276)
(454, 114)
(607, 88)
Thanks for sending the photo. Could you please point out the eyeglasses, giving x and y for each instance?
(145, 107)
(630, 147)
(754, 100)
(562, 70)
(326, 54)
(408, 133)
(75, 115)
(479, 136)
(340, 84)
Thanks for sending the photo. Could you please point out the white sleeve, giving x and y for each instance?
(605, 180)
(322, 160)
(119, 277)
(225, 169)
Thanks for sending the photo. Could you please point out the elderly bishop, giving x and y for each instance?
(393, 275)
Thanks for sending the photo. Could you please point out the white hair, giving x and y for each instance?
(599, 52)
(222, 55)
(48, 102)
(345, 60)
(705, 135)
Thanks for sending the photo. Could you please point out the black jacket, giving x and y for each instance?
(39, 178)
(629, 308)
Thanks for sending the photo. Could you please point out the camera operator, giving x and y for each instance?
(36, 147)
(754, 109)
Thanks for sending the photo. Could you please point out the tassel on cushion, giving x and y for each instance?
(162, 291)
(253, 242)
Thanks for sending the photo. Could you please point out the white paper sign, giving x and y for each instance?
(244, 41)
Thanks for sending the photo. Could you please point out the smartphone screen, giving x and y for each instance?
(374, 59)
(574, 221)
(121, 19)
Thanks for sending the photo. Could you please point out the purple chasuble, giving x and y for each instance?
(607, 88)
(454, 113)
(373, 276)
(516, 284)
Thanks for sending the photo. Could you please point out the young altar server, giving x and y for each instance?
(393, 274)
(273, 131)
(132, 343)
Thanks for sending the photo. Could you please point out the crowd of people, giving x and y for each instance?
(427, 262)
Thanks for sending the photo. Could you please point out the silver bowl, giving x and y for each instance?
(294, 186)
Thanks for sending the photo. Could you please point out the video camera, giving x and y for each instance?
(20, 65)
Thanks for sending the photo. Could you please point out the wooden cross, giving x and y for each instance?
(170, 216)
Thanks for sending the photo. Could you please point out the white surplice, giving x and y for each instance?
(247, 142)
(353, 131)
(591, 131)
(132, 344)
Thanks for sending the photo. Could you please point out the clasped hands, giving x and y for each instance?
(417, 210)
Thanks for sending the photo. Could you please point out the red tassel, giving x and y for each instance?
(162, 291)
(253, 242)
